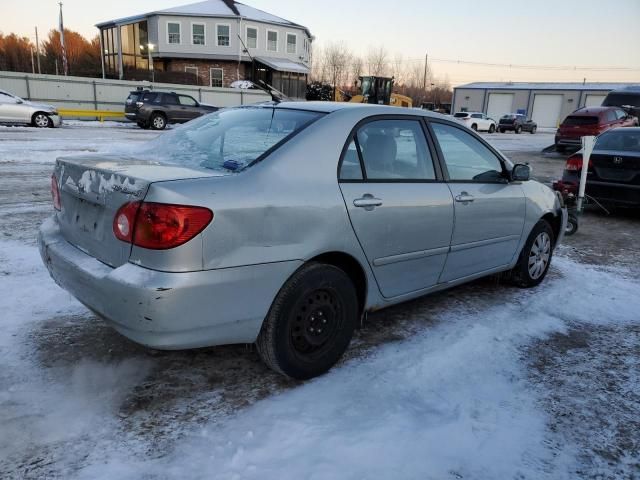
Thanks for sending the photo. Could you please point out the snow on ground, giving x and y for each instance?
(523, 142)
(481, 382)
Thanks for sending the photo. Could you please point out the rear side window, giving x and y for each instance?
(577, 120)
(461, 115)
(351, 168)
(395, 150)
(466, 158)
(228, 140)
(169, 99)
(148, 97)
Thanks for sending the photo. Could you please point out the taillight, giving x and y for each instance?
(574, 163)
(55, 193)
(159, 226)
(139, 104)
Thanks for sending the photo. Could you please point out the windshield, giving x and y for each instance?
(228, 140)
(509, 116)
(461, 115)
(622, 141)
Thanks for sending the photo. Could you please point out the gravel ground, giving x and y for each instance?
(583, 377)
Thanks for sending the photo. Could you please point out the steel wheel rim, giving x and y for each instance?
(158, 122)
(42, 120)
(316, 322)
(539, 255)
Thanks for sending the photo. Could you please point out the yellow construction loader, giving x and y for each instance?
(378, 90)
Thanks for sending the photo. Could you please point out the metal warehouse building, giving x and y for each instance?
(546, 103)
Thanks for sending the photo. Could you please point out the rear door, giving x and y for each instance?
(489, 211)
(400, 209)
(172, 108)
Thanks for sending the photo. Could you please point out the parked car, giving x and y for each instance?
(516, 122)
(153, 109)
(15, 110)
(283, 224)
(613, 175)
(626, 98)
(477, 121)
(590, 121)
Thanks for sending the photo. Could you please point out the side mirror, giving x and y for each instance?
(520, 173)
(19, 101)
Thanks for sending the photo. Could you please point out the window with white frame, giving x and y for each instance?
(292, 40)
(173, 32)
(217, 75)
(272, 40)
(252, 37)
(223, 35)
(197, 34)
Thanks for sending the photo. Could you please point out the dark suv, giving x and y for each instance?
(626, 98)
(156, 109)
(516, 122)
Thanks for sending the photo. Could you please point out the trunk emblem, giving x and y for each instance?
(617, 160)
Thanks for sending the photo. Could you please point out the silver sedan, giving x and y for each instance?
(283, 224)
(15, 110)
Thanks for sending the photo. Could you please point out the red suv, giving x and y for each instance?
(590, 121)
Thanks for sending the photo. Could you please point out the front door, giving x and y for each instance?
(188, 107)
(489, 210)
(400, 209)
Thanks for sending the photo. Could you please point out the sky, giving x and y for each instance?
(596, 40)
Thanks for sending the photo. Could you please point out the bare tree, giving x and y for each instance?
(357, 68)
(377, 60)
(337, 59)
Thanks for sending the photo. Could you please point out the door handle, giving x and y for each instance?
(367, 201)
(464, 197)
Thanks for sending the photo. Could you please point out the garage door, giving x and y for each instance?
(593, 100)
(546, 109)
(499, 104)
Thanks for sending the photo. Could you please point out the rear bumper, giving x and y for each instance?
(167, 310)
(569, 141)
(614, 193)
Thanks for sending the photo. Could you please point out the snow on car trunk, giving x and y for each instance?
(93, 188)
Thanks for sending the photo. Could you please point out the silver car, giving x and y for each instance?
(15, 110)
(283, 224)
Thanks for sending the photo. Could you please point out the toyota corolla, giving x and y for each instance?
(283, 224)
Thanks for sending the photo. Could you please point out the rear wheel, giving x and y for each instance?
(533, 130)
(474, 127)
(41, 120)
(501, 130)
(518, 129)
(492, 128)
(535, 258)
(572, 225)
(310, 323)
(158, 121)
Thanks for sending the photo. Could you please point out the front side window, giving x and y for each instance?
(611, 116)
(395, 150)
(187, 101)
(197, 34)
(173, 32)
(223, 35)
(466, 158)
(291, 43)
(621, 114)
(216, 77)
(228, 140)
(252, 37)
(272, 41)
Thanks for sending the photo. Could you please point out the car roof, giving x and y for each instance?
(593, 111)
(372, 109)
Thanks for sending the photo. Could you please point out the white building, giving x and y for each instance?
(213, 43)
(545, 103)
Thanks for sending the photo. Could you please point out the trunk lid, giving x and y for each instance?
(616, 167)
(93, 188)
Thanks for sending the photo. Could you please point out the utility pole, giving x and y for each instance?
(424, 85)
(65, 64)
(38, 50)
(33, 65)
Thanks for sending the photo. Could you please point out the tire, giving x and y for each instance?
(492, 128)
(518, 130)
(534, 130)
(158, 121)
(501, 130)
(561, 148)
(41, 120)
(572, 225)
(143, 125)
(533, 266)
(317, 297)
(474, 127)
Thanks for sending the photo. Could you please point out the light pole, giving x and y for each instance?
(150, 47)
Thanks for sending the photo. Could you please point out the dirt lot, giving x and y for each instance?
(77, 400)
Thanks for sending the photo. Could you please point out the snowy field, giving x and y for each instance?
(484, 381)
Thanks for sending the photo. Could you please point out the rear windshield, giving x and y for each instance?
(621, 140)
(620, 99)
(461, 115)
(230, 139)
(580, 120)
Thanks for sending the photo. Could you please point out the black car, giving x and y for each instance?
(516, 122)
(626, 98)
(613, 175)
(153, 109)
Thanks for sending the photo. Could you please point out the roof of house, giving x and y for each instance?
(212, 8)
(545, 86)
